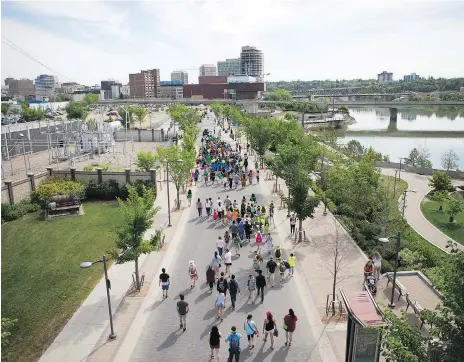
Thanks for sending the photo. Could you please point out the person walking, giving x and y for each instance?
(216, 262)
(237, 244)
(208, 206)
(189, 197)
(248, 230)
(292, 223)
(199, 208)
(269, 244)
(182, 309)
(271, 266)
(164, 282)
(222, 285)
(251, 286)
(289, 326)
(251, 330)
(377, 261)
(259, 240)
(260, 284)
(193, 274)
(234, 289)
(210, 277)
(220, 305)
(220, 245)
(241, 229)
(234, 229)
(228, 261)
(292, 263)
(234, 344)
(215, 342)
(269, 328)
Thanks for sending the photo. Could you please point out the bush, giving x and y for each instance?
(13, 212)
(138, 184)
(107, 190)
(56, 186)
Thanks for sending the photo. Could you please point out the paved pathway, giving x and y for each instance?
(155, 331)
(413, 213)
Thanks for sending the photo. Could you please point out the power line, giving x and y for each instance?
(23, 52)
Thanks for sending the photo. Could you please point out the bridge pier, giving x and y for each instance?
(393, 114)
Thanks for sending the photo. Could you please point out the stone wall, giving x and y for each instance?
(419, 170)
(15, 191)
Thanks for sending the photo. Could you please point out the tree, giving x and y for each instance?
(146, 161)
(440, 182)
(419, 158)
(61, 97)
(76, 110)
(138, 213)
(259, 134)
(140, 113)
(127, 114)
(448, 319)
(31, 114)
(279, 95)
(5, 107)
(181, 162)
(455, 206)
(355, 149)
(7, 325)
(90, 99)
(441, 197)
(449, 160)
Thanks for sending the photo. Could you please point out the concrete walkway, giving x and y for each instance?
(413, 213)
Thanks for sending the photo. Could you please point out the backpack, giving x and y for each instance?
(234, 343)
(282, 268)
(233, 286)
(278, 253)
(287, 264)
(255, 265)
(221, 286)
(272, 267)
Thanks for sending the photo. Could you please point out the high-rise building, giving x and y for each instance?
(20, 87)
(229, 67)
(411, 77)
(145, 84)
(385, 77)
(45, 85)
(252, 62)
(180, 76)
(208, 70)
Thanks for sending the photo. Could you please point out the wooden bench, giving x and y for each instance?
(401, 290)
(62, 205)
(417, 308)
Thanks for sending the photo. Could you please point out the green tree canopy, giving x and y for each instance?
(279, 95)
(90, 99)
(146, 161)
(76, 110)
(440, 181)
(127, 114)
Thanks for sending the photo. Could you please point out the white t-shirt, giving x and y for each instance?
(209, 204)
(220, 243)
(228, 258)
(218, 202)
(377, 262)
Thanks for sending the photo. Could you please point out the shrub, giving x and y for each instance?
(138, 184)
(13, 212)
(88, 168)
(56, 186)
(107, 190)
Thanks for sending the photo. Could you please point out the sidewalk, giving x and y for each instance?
(413, 213)
(89, 326)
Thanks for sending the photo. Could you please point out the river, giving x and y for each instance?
(414, 120)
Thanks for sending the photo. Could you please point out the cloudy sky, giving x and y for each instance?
(87, 41)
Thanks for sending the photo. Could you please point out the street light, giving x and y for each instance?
(404, 200)
(88, 264)
(24, 152)
(398, 241)
(167, 187)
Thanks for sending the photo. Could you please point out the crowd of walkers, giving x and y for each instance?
(219, 164)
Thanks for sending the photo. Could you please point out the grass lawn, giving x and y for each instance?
(440, 220)
(42, 284)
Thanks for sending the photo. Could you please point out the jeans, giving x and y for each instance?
(183, 320)
(208, 211)
(200, 212)
(292, 229)
(290, 271)
(233, 298)
(219, 251)
(232, 354)
(261, 291)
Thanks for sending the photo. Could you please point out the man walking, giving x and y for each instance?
(260, 284)
(271, 266)
(164, 282)
(234, 344)
(233, 290)
(182, 309)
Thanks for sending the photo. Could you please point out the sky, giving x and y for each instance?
(90, 41)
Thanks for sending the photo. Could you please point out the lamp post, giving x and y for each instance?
(401, 160)
(24, 152)
(88, 264)
(398, 242)
(404, 201)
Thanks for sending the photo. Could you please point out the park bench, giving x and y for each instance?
(63, 205)
(401, 290)
(417, 308)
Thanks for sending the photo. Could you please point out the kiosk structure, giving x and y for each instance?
(363, 336)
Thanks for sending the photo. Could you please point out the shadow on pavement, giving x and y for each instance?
(280, 355)
(202, 296)
(171, 340)
(154, 305)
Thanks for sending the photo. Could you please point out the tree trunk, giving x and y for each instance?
(451, 219)
(137, 279)
(333, 291)
(178, 198)
(441, 207)
(300, 230)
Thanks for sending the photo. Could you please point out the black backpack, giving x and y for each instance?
(222, 285)
(278, 253)
(233, 286)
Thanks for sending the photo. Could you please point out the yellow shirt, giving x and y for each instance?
(291, 261)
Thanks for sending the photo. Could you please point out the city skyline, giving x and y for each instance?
(360, 41)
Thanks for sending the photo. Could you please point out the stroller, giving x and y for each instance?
(371, 284)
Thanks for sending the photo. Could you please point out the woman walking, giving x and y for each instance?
(193, 274)
(208, 206)
(199, 208)
(220, 304)
(220, 245)
(259, 240)
(210, 277)
(269, 327)
(215, 342)
(289, 326)
(216, 262)
(189, 197)
(251, 330)
(377, 261)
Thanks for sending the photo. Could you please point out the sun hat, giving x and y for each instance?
(191, 262)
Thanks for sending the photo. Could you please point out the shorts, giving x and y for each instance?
(228, 264)
(269, 332)
(220, 306)
(214, 346)
(164, 286)
(250, 336)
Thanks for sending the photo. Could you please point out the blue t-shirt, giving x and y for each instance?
(234, 335)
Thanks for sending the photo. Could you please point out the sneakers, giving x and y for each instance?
(181, 325)
(184, 329)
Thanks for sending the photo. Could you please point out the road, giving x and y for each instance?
(158, 336)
